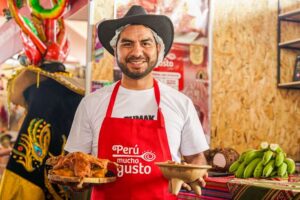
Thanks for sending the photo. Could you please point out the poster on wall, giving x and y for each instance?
(197, 83)
(171, 70)
(190, 17)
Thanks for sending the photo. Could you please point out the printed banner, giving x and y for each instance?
(170, 71)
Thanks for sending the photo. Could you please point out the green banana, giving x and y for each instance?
(234, 166)
(274, 147)
(282, 169)
(267, 156)
(240, 171)
(279, 150)
(243, 155)
(269, 168)
(248, 172)
(273, 174)
(279, 159)
(291, 166)
(264, 145)
(258, 170)
(251, 155)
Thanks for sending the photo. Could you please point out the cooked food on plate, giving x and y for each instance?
(79, 164)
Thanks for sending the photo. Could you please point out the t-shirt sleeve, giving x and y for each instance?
(80, 137)
(193, 140)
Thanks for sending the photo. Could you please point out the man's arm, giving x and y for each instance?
(198, 159)
(80, 137)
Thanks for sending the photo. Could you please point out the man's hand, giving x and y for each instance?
(197, 159)
(74, 186)
(82, 188)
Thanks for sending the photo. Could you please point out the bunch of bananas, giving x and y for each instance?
(268, 161)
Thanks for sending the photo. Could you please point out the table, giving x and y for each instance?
(224, 188)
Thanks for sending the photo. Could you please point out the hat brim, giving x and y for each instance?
(28, 76)
(161, 24)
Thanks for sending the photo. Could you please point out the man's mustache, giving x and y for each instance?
(134, 59)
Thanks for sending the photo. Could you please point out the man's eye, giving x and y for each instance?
(146, 44)
(127, 44)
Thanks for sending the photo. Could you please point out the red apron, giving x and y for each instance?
(135, 144)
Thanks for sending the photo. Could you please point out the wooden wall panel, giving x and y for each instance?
(247, 107)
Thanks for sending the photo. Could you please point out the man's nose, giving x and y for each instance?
(137, 50)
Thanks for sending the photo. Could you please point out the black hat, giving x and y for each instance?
(161, 24)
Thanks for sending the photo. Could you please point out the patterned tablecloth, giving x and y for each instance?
(225, 188)
(215, 189)
(264, 189)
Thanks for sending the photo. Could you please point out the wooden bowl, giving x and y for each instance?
(64, 180)
(177, 174)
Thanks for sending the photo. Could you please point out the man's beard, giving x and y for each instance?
(136, 75)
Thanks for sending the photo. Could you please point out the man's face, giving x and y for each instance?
(136, 51)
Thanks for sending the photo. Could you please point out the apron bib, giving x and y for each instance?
(136, 145)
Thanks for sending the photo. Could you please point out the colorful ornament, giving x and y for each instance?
(44, 35)
(30, 25)
(52, 13)
(24, 27)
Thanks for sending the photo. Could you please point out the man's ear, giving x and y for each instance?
(115, 52)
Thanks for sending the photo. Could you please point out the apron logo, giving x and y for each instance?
(130, 158)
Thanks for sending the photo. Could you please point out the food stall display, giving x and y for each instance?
(246, 107)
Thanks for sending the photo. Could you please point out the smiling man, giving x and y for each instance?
(137, 51)
(137, 121)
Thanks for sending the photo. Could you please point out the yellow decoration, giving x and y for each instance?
(13, 186)
(35, 148)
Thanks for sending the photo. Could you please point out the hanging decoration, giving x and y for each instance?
(43, 35)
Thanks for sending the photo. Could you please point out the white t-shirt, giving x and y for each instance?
(184, 131)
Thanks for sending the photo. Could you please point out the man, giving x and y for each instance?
(138, 120)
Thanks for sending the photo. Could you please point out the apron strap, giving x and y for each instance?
(156, 92)
(157, 98)
(112, 99)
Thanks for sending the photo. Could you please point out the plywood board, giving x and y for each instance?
(247, 106)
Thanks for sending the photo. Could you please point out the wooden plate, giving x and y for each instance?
(188, 166)
(66, 180)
